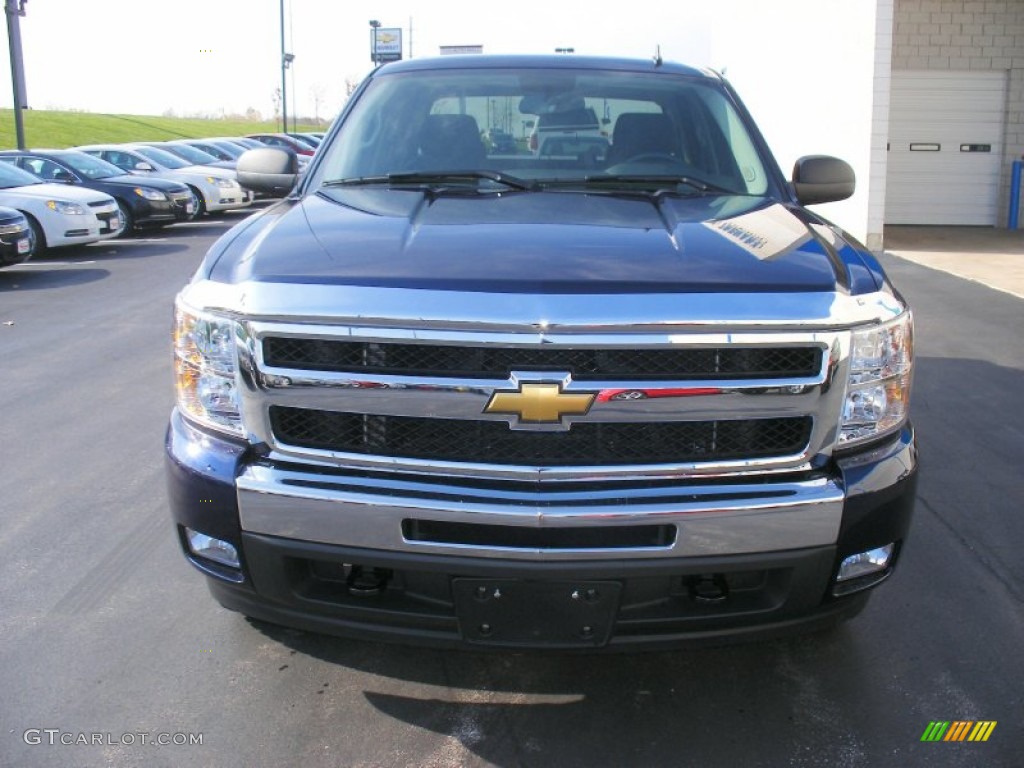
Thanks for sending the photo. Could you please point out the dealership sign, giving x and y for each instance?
(387, 44)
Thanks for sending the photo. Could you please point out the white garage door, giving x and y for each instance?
(945, 147)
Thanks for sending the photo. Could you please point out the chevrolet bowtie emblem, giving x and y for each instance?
(539, 403)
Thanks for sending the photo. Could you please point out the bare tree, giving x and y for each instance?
(318, 92)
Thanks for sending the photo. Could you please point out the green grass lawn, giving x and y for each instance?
(56, 130)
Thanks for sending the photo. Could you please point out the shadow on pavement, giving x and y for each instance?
(516, 709)
(36, 279)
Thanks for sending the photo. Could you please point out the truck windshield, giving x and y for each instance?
(542, 125)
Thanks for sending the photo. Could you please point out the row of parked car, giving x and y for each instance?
(57, 197)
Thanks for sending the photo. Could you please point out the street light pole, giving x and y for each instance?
(284, 78)
(374, 26)
(15, 9)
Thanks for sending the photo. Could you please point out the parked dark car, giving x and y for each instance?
(305, 138)
(215, 189)
(142, 202)
(284, 141)
(218, 148)
(500, 142)
(16, 242)
(243, 141)
(192, 154)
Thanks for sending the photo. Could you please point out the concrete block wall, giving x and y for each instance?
(881, 88)
(968, 35)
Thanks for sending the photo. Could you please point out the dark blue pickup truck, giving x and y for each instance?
(632, 398)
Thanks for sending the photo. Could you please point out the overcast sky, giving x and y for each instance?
(224, 56)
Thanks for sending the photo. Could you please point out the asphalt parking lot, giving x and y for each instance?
(992, 257)
(108, 636)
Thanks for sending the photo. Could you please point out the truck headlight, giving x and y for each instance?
(878, 390)
(206, 367)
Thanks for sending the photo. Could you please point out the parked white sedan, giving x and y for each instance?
(59, 214)
(215, 188)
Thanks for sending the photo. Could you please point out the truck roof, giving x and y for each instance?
(544, 61)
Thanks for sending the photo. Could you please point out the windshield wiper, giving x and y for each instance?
(431, 178)
(630, 182)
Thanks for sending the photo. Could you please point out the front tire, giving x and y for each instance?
(127, 220)
(38, 237)
(199, 208)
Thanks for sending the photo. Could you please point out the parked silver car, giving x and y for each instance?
(215, 188)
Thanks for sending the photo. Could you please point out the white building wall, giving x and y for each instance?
(969, 35)
(810, 72)
(884, 23)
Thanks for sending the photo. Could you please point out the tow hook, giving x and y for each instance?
(709, 588)
(367, 581)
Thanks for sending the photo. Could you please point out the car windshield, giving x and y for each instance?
(194, 155)
(248, 143)
(226, 147)
(11, 176)
(89, 166)
(160, 157)
(566, 127)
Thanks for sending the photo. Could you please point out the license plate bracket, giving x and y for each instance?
(546, 614)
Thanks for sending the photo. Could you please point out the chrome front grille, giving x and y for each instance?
(661, 404)
(582, 363)
(586, 444)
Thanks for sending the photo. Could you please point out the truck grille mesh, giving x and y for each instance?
(499, 362)
(494, 443)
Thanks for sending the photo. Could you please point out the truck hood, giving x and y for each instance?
(543, 242)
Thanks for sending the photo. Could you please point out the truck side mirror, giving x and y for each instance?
(822, 179)
(270, 170)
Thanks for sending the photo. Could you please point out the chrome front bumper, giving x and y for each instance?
(709, 519)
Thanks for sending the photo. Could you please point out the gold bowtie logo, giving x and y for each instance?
(539, 403)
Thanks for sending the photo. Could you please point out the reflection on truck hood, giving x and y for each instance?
(535, 243)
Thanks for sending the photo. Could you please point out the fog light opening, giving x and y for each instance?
(863, 570)
(217, 550)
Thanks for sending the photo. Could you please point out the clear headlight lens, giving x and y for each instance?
(222, 183)
(205, 367)
(150, 194)
(63, 206)
(878, 391)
